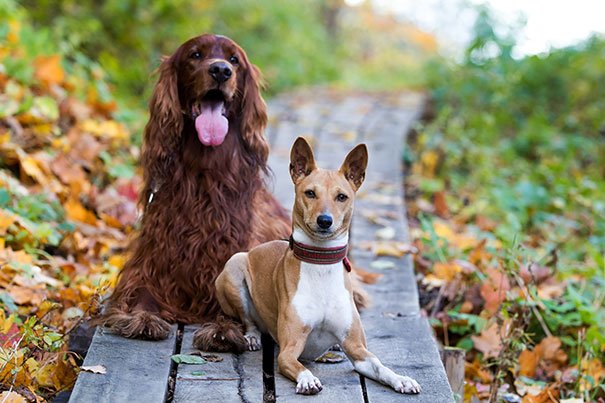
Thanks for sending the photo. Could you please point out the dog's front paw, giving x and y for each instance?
(308, 384)
(253, 341)
(405, 384)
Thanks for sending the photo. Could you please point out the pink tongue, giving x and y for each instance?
(211, 125)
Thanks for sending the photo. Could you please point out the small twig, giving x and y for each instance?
(437, 302)
(535, 311)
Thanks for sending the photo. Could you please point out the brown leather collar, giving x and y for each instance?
(322, 256)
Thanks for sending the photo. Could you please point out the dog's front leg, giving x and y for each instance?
(368, 365)
(292, 339)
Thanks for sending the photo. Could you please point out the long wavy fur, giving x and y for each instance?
(209, 203)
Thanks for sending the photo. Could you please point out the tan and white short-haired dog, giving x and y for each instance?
(300, 291)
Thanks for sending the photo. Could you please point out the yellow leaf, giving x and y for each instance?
(31, 167)
(109, 129)
(429, 160)
(5, 137)
(11, 397)
(44, 307)
(446, 271)
(117, 261)
(13, 33)
(6, 323)
(75, 211)
(49, 70)
(7, 219)
(390, 248)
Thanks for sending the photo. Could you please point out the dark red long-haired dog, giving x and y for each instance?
(204, 158)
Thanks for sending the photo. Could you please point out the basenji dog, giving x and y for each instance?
(300, 291)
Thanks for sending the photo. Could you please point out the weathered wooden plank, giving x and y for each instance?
(405, 345)
(219, 382)
(340, 383)
(137, 370)
(237, 378)
(395, 331)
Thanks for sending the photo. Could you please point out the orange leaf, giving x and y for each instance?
(547, 395)
(528, 362)
(49, 70)
(547, 357)
(25, 295)
(75, 211)
(488, 341)
(474, 371)
(494, 289)
(440, 204)
(446, 271)
(593, 368)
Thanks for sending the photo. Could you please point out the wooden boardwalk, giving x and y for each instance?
(397, 334)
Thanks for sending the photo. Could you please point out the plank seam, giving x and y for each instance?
(171, 383)
(364, 390)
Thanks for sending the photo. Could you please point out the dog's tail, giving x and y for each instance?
(220, 335)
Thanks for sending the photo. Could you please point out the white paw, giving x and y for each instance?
(405, 384)
(308, 384)
(253, 341)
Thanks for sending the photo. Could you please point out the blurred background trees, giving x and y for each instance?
(293, 42)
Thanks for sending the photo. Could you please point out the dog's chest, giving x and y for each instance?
(323, 303)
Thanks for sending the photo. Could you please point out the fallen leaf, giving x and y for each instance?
(11, 397)
(385, 233)
(49, 70)
(528, 362)
(188, 359)
(446, 271)
(77, 212)
(547, 395)
(547, 356)
(488, 341)
(382, 264)
(330, 358)
(440, 204)
(95, 369)
(26, 295)
(493, 289)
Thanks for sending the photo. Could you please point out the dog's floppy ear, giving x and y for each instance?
(354, 166)
(302, 162)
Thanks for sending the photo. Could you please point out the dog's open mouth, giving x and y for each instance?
(210, 115)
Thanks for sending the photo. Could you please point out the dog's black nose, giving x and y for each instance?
(220, 71)
(324, 221)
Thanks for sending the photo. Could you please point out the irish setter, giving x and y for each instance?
(205, 159)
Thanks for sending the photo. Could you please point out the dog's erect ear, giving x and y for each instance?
(354, 166)
(302, 162)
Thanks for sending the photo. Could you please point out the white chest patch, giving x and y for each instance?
(323, 303)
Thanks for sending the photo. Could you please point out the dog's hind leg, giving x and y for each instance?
(234, 299)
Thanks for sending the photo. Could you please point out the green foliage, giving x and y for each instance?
(522, 142)
(285, 38)
(293, 42)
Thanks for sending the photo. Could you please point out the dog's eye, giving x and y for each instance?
(342, 197)
(234, 60)
(310, 194)
(196, 55)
